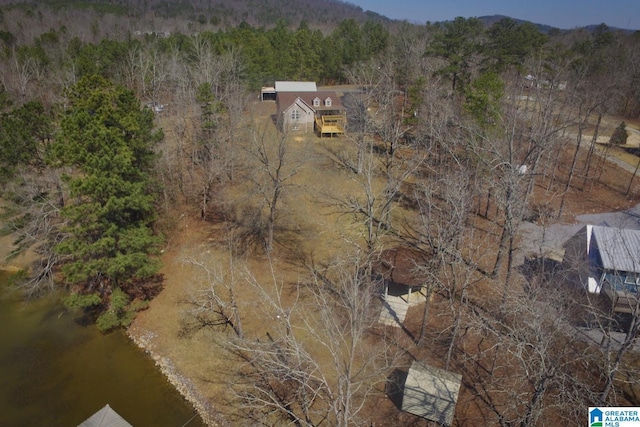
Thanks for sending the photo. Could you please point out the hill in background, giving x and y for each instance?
(204, 14)
(224, 14)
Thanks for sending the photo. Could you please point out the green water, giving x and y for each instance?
(56, 372)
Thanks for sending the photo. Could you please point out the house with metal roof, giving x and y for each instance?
(610, 263)
(431, 393)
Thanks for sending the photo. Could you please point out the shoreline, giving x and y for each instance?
(183, 385)
(141, 337)
(11, 269)
(203, 407)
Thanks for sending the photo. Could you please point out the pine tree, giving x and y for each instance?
(107, 141)
(619, 135)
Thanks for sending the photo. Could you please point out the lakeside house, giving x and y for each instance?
(607, 260)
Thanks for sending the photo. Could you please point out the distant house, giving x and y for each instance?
(431, 393)
(608, 262)
(532, 81)
(301, 107)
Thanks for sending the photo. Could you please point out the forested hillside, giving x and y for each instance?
(121, 125)
(119, 18)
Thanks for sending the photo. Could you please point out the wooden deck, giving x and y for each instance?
(330, 125)
(394, 308)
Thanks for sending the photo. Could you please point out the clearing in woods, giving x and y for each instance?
(321, 232)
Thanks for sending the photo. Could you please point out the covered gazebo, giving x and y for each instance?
(398, 269)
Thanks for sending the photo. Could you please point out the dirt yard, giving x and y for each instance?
(197, 365)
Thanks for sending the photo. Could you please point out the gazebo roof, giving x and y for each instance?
(105, 417)
(399, 265)
(431, 393)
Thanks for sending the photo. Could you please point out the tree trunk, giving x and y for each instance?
(571, 171)
(425, 314)
(592, 147)
(635, 172)
(271, 221)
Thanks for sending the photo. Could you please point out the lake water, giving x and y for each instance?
(56, 372)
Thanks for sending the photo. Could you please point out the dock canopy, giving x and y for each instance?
(105, 417)
(431, 393)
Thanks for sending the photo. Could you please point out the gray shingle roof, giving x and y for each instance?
(431, 393)
(285, 99)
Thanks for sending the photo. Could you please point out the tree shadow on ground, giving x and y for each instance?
(394, 388)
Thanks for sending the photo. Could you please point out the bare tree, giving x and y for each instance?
(39, 228)
(275, 168)
(531, 364)
(314, 359)
(153, 72)
(212, 302)
(390, 128)
(360, 106)
(320, 366)
(444, 204)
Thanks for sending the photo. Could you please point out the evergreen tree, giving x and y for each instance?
(511, 43)
(107, 141)
(482, 99)
(619, 135)
(23, 132)
(457, 44)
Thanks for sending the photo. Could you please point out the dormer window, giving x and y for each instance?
(316, 102)
(327, 102)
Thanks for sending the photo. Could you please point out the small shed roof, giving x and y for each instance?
(105, 417)
(619, 248)
(296, 87)
(431, 393)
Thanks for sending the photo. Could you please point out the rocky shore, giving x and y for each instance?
(144, 339)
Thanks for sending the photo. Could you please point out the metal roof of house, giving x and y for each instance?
(296, 87)
(105, 417)
(619, 248)
(431, 393)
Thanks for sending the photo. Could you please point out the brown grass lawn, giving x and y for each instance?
(322, 231)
